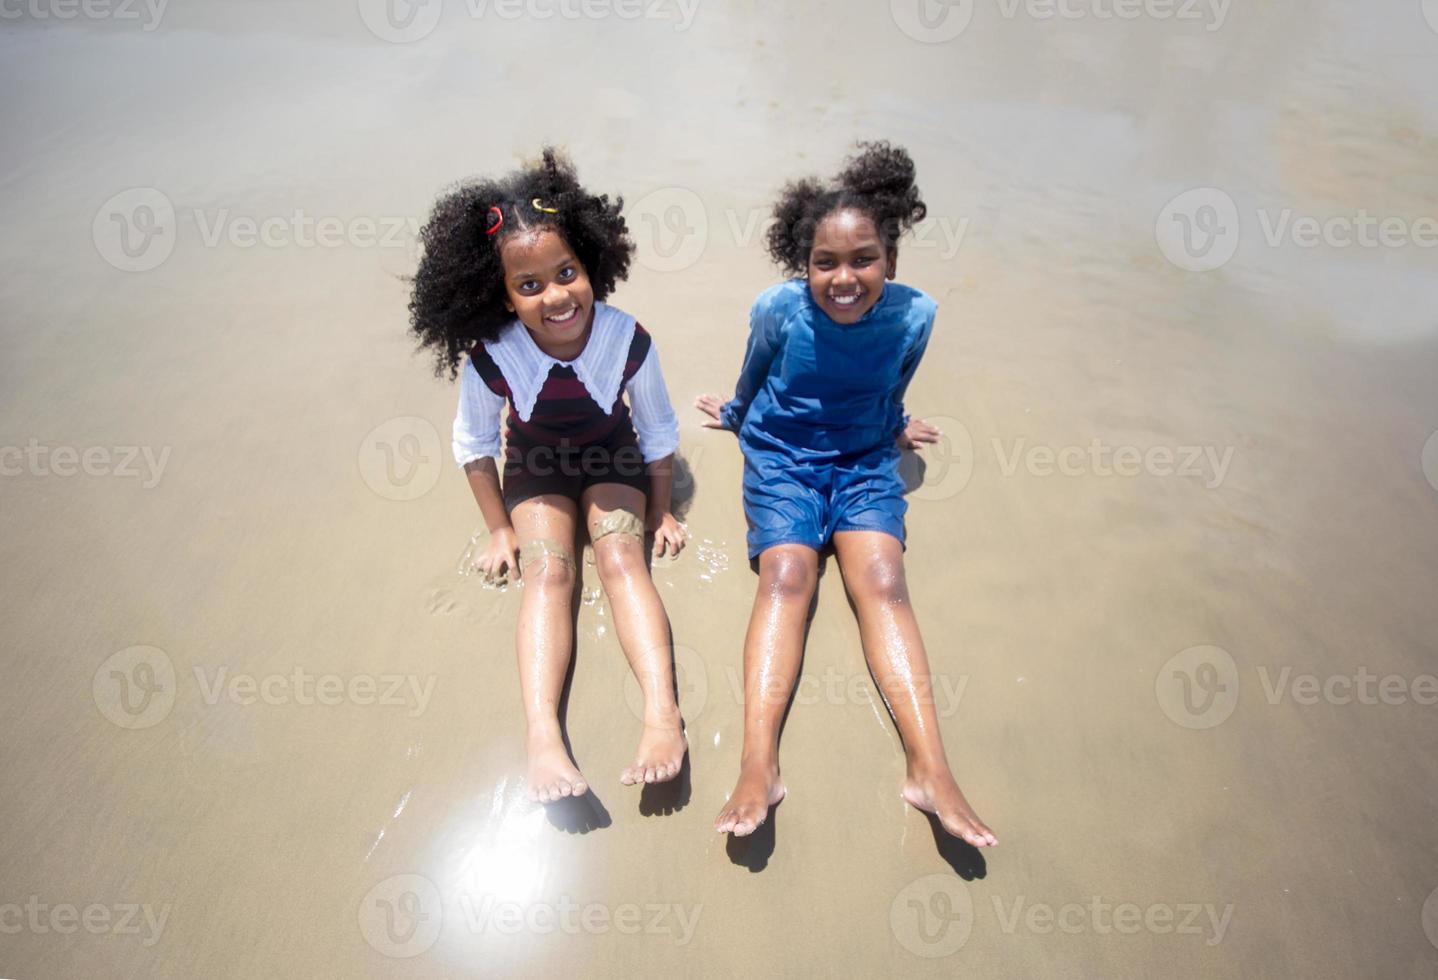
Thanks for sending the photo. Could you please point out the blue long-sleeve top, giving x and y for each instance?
(820, 390)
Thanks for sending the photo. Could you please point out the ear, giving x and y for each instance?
(893, 267)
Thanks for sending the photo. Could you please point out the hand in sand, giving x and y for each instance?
(916, 433)
(710, 406)
(668, 533)
(500, 559)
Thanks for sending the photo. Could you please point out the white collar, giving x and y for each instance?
(599, 367)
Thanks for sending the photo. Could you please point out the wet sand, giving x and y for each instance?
(1175, 562)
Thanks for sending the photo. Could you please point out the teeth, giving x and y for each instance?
(564, 316)
(845, 300)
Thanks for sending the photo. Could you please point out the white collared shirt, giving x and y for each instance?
(599, 367)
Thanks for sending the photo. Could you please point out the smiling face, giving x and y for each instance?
(848, 265)
(548, 290)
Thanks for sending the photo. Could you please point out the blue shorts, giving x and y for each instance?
(792, 502)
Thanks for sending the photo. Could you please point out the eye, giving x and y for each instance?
(529, 285)
(823, 263)
(567, 273)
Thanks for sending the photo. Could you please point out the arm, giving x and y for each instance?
(759, 354)
(658, 430)
(910, 434)
(476, 448)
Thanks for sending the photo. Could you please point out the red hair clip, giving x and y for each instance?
(498, 221)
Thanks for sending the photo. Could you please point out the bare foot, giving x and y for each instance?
(551, 774)
(937, 793)
(756, 791)
(659, 757)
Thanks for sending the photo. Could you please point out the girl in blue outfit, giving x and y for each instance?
(820, 418)
(510, 289)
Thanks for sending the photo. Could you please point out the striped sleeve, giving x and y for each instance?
(476, 424)
(654, 418)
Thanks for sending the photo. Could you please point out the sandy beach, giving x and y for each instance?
(1175, 559)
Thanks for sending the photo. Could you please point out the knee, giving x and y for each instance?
(883, 581)
(617, 557)
(550, 573)
(789, 576)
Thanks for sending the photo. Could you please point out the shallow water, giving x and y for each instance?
(1172, 488)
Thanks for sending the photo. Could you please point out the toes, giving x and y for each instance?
(627, 777)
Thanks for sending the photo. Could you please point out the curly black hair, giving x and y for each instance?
(458, 291)
(877, 181)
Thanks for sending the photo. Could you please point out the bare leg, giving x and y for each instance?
(773, 647)
(873, 567)
(642, 626)
(545, 640)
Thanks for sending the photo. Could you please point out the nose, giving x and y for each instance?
(556, 297)
(844, 276)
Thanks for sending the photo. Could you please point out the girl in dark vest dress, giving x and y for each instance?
(512, 278)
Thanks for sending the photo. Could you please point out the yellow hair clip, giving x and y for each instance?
(541, 207)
